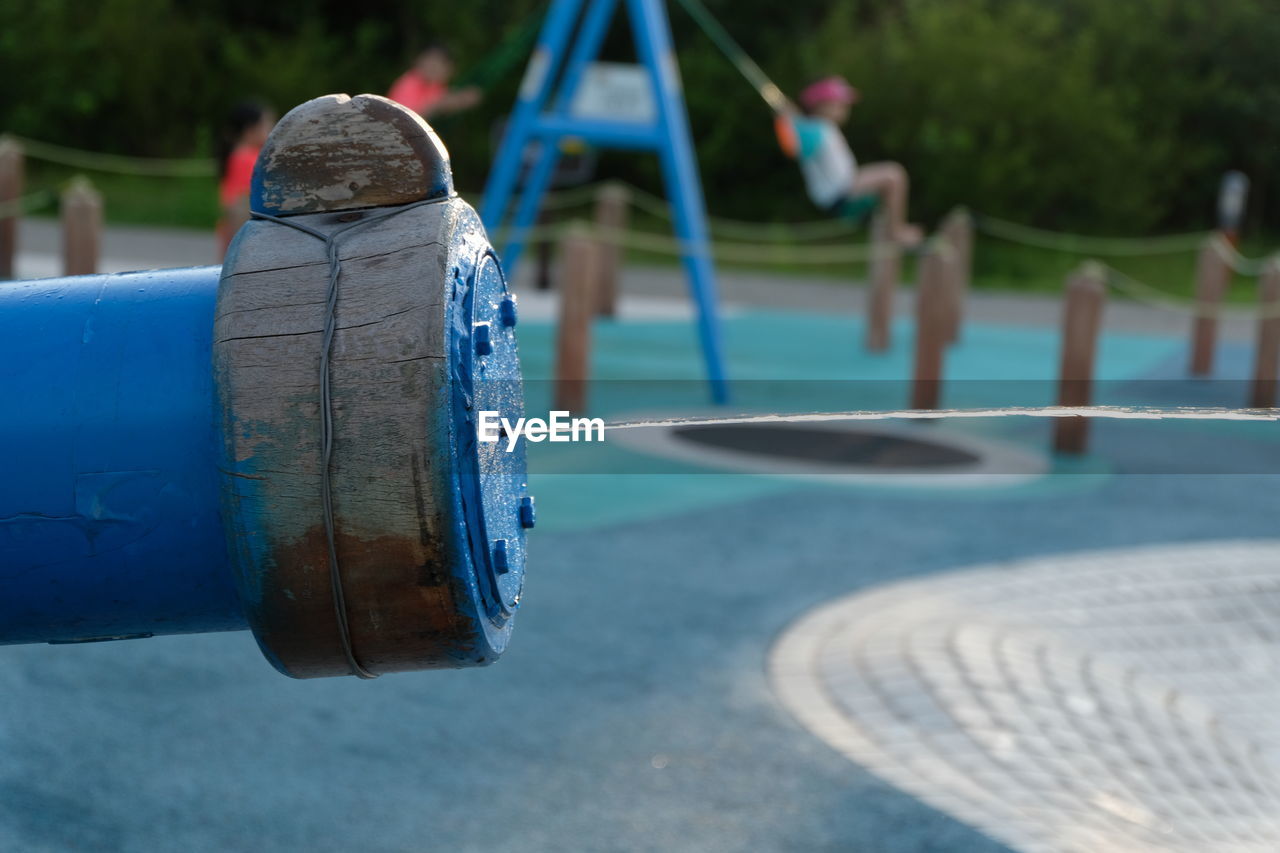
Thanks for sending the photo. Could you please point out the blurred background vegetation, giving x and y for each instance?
(1095, 115)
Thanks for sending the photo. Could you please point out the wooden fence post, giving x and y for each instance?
(957, 230)
(932, 318)
(1267, 361)
(613, 202)
(1086, 295)
(11, 183)
(81, 228)
(1213, 276)
(579, 271)
(545, 250)
(884, 271)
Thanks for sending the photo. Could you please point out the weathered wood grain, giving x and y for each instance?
(342, 153)
(957, 230)
(81, 228)
(1266, 362)
(12, 179)
(392, 473)
(1081, 323)
(579, 300)
(932, 329)
(612, 215)
(1213, 277)
(884, 272)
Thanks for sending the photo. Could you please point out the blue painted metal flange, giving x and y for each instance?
(487, 378)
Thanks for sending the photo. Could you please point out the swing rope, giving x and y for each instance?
(493, 66)
(747, 67)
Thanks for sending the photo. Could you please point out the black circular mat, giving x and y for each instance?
(863, 449)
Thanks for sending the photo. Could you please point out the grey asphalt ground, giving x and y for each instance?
(632, 712)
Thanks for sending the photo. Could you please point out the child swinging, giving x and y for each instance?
(832, 176)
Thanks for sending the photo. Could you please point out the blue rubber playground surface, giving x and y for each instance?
(634, 710)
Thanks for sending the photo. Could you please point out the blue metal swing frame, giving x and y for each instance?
(542, 113)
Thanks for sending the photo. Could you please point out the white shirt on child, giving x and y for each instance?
(826, 160)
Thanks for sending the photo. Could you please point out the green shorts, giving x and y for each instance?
(854, 208)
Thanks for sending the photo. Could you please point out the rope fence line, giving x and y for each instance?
(1251, 267)
(26, 204)
(748, 254)
(1116, 280)
(762, 243)
(1080, 244)
(820, 229)
(660, 208)
(795, 231)
(118, 163)
(781, 254)
(991, 226)
(741, 252)
(1146, 294)
(576, 196)
(744, 253)
(811, 230)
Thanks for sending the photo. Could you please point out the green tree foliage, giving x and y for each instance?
(977, 78)
(1093, 114)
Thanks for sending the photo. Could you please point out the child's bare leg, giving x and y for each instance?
(890, 182)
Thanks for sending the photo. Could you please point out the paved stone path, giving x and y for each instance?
(1117, 700)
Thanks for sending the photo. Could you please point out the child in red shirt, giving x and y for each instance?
(247, 127)
(424, 88)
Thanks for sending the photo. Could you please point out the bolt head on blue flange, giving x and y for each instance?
(507, 310)
(484, 343)
(501, 557)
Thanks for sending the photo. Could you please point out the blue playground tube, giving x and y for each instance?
(109, 519)
(286, 443)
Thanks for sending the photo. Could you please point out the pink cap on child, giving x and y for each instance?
(827, 90)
